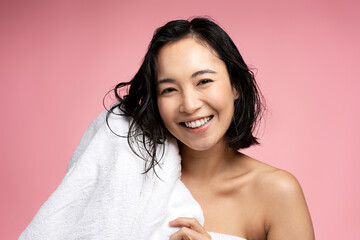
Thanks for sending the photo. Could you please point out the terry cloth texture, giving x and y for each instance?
(104, 194)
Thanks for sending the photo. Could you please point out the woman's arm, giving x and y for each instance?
(287, 214)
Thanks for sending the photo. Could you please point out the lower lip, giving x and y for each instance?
(200, 129)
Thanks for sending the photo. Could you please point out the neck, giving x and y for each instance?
(207, 164)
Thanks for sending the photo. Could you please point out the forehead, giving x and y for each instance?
(186, 56)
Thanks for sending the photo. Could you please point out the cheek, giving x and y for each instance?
(165, 111)
(222, 97)
(161, 107)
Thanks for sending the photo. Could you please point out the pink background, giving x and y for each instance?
(59, 58)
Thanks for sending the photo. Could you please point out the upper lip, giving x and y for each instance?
(194, 119)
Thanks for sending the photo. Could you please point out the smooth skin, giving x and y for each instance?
(239, 195)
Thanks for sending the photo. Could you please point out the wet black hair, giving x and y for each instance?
(140, 100)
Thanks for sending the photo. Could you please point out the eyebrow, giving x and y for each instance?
(195, 74)
(165, 80)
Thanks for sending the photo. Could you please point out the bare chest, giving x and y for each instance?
(231, 212)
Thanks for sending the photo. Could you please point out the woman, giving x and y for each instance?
(208, 100)
(193, 86)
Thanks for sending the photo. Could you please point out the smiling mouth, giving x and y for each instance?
(198, 123)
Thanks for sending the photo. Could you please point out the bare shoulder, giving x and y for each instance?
(278, 192)
(277, 183)
(272, 182)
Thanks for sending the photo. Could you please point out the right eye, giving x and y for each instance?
(167, 90)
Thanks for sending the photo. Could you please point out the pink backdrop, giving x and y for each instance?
(59, 58)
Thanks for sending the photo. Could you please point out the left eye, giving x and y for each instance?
(204, 81)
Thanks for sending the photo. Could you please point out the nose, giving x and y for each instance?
(190, 102)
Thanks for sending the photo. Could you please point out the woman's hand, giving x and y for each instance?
(190, 229)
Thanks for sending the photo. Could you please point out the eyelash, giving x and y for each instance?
(167, 90)
(204, 81)
(201, 82)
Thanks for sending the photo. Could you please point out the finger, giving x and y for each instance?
(191, 223)
(188, 234)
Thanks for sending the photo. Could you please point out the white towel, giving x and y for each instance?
(104, 194)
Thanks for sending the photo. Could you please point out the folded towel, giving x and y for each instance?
(104, 194)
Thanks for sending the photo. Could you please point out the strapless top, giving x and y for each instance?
(221, 236)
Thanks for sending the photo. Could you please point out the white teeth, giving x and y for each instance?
(197, 123)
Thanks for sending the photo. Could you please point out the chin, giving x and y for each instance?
(199, 147)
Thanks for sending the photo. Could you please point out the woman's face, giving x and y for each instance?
(194, 94)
